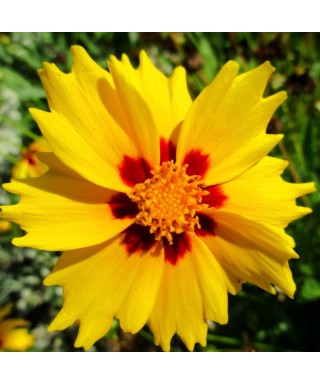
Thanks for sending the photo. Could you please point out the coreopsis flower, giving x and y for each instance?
(5, 226)
(29, 165)
(14, 335)
(162, 205)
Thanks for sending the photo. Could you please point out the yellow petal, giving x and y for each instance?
(203, 109)
(233, 282)
(154, 105)
(191, 292)
(61, 211)
(137, 305)
(264, 196)
(228, 122)
(212, 282)
(168, 99)
(180, 97)
(251, 265)
(156, 90)
(136, 110)
(246, 155)
(96, 281)
(80, 129)
(178, 308)
(253, 251)
(251, 234)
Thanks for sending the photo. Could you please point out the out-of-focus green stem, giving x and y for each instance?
(237, 343)
(21, 128)
(146, 336)
(12, 159)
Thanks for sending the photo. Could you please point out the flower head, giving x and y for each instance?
(29, 165)
(162, 205)
(5, 226)
(13, 334)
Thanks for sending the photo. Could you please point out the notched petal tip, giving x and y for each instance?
(113, 61)
(77, 49)
(288, 287)
(82, 61)
(36, 112)
(255, 80)
(114, 64)
(305, 211)
(267, 65)
(48, 69)
(231, 65)
(61, 321)
(227, 74)
(147, 64)
(143, 55)
(277, 98)
(180, 72)
(163, 344)
(125, 59)
(273, 102)
(80, 344)
(49, 281)
(307, 188)
(18, 241)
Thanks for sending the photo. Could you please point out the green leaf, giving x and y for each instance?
(21, 85)
(310, 289)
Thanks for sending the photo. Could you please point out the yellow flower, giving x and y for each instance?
(5, 226)
(161, 204)
(12, 336)
(29, 165)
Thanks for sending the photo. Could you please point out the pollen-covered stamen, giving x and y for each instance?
(169, 201)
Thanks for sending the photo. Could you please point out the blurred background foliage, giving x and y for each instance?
(258, 320)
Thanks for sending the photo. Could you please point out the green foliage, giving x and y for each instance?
(258, 321)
